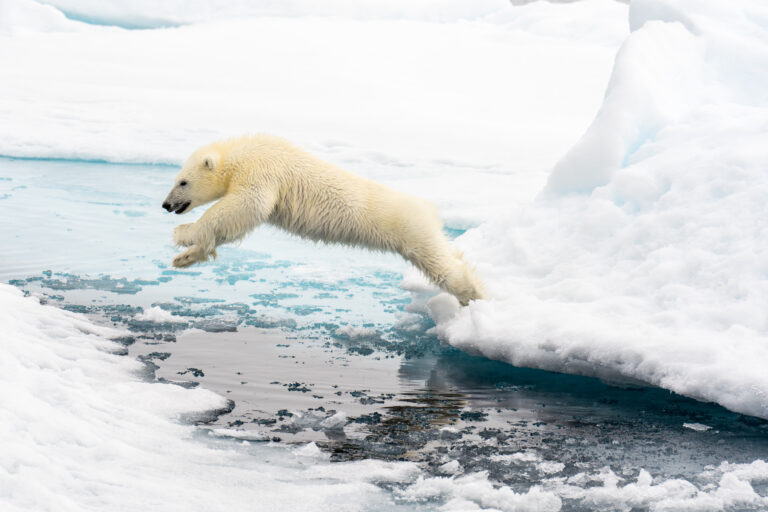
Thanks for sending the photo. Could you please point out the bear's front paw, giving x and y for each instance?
(189, 257)
(182, 235)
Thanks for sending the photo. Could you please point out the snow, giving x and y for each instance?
(727, 487)
(467, 492)
(699, 427)
(643, 259)
(356, 333)
(452, 467)
(80, 431)
(640, 257)
(156, 314)
(429, 112)
(730, 489)
(335, 422)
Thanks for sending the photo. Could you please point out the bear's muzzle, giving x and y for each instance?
(176, 207)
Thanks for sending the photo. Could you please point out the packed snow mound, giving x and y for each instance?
(678, 60)
(645, 258)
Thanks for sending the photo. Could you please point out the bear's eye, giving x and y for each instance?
(183, 183)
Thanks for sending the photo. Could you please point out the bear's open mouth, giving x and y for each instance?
(183, 207)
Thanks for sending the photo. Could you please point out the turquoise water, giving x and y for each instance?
(269, 319)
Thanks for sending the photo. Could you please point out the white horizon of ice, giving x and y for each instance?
(427, 111)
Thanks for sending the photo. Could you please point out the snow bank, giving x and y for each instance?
(644, 258)
(79, 431)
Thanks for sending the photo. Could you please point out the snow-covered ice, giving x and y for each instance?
(635, 253)
(80, 431)
(644, 257)
(156, 314)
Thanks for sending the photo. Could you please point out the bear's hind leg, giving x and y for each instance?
(462, 282)
(445, 267)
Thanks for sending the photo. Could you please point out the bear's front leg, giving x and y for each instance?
(189, 257)
(183, 235)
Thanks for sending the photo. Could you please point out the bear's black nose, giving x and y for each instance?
(167, 206)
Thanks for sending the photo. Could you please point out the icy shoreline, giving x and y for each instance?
(644, 256)
(80, 431)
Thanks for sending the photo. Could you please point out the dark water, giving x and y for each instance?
(444, 403)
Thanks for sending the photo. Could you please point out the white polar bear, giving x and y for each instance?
(265, 179)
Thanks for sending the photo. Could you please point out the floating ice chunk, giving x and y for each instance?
(157, 314)
(368, 470)
(700, 427)
(442, 307)
(467, 492)
(451, 468)
(335, 422)
(306, 419)
(408, 321)
(516, 457)
(356, 333)
(729, 487)
(310, 451)
(550, 467)
(247, 435)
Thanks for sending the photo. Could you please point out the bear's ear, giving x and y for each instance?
(210, 162)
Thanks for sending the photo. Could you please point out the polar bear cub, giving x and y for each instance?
(265, 179)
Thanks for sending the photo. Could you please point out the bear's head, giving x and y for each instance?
(200, 181)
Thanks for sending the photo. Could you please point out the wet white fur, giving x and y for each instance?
(265, 179)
